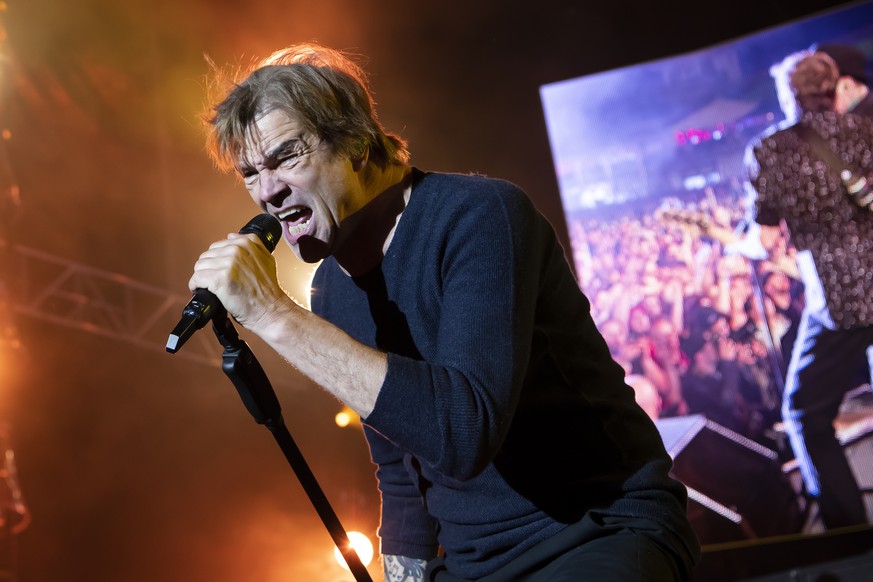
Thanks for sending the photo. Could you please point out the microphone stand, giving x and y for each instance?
(253, 386)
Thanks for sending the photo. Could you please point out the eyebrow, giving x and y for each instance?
(282, 147)
(271, 156)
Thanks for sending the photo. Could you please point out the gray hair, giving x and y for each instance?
(322, 89)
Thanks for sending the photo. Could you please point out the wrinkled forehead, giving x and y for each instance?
(269, 130)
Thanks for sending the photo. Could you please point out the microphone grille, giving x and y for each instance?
(268, 229)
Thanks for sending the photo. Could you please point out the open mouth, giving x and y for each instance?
(297, 220)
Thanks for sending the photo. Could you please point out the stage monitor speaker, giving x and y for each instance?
(736, 487)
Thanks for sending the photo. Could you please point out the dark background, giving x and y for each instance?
(141, 466)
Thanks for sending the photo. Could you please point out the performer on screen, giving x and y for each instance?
(832, 227)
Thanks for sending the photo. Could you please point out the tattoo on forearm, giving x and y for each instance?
(403, 569)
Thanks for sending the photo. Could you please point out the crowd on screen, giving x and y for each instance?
(699, 327)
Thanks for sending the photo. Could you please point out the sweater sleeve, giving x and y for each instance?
(452, 409)
(406, 528)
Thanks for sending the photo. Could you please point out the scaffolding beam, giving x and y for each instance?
(64, 292)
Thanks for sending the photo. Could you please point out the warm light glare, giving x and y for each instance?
(295, 276)
(343, 419)
(362, 546)
(347, 417)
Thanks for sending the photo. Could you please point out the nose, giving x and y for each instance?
(271, 189)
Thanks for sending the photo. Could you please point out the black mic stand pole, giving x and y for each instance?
(253, 386)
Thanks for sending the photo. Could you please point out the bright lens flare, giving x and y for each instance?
(347, 417)
(342, 419)
(361, 545)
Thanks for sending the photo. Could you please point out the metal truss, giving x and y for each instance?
(71, 294)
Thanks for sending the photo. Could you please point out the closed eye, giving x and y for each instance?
(249, 175)
(289, 159)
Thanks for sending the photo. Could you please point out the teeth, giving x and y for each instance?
(298, 229)
(286, 214)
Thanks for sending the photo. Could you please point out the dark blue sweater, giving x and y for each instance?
(502, 418)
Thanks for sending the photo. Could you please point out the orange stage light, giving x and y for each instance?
(361, 545)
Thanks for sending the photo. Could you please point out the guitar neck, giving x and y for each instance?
(698, 224)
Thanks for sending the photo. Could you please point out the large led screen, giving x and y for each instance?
(702, 315)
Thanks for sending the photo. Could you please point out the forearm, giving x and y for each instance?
(346, 368)
(403, 569)
(242, 274)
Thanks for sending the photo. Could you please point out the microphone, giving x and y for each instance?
(204, 304)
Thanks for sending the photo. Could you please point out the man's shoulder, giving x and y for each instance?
(771, 135)
(455, 201)
(468, 181)
(777, 131)
(455, 189)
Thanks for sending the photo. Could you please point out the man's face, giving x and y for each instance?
(301, 181)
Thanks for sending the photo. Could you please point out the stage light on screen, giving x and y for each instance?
(361, 545)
